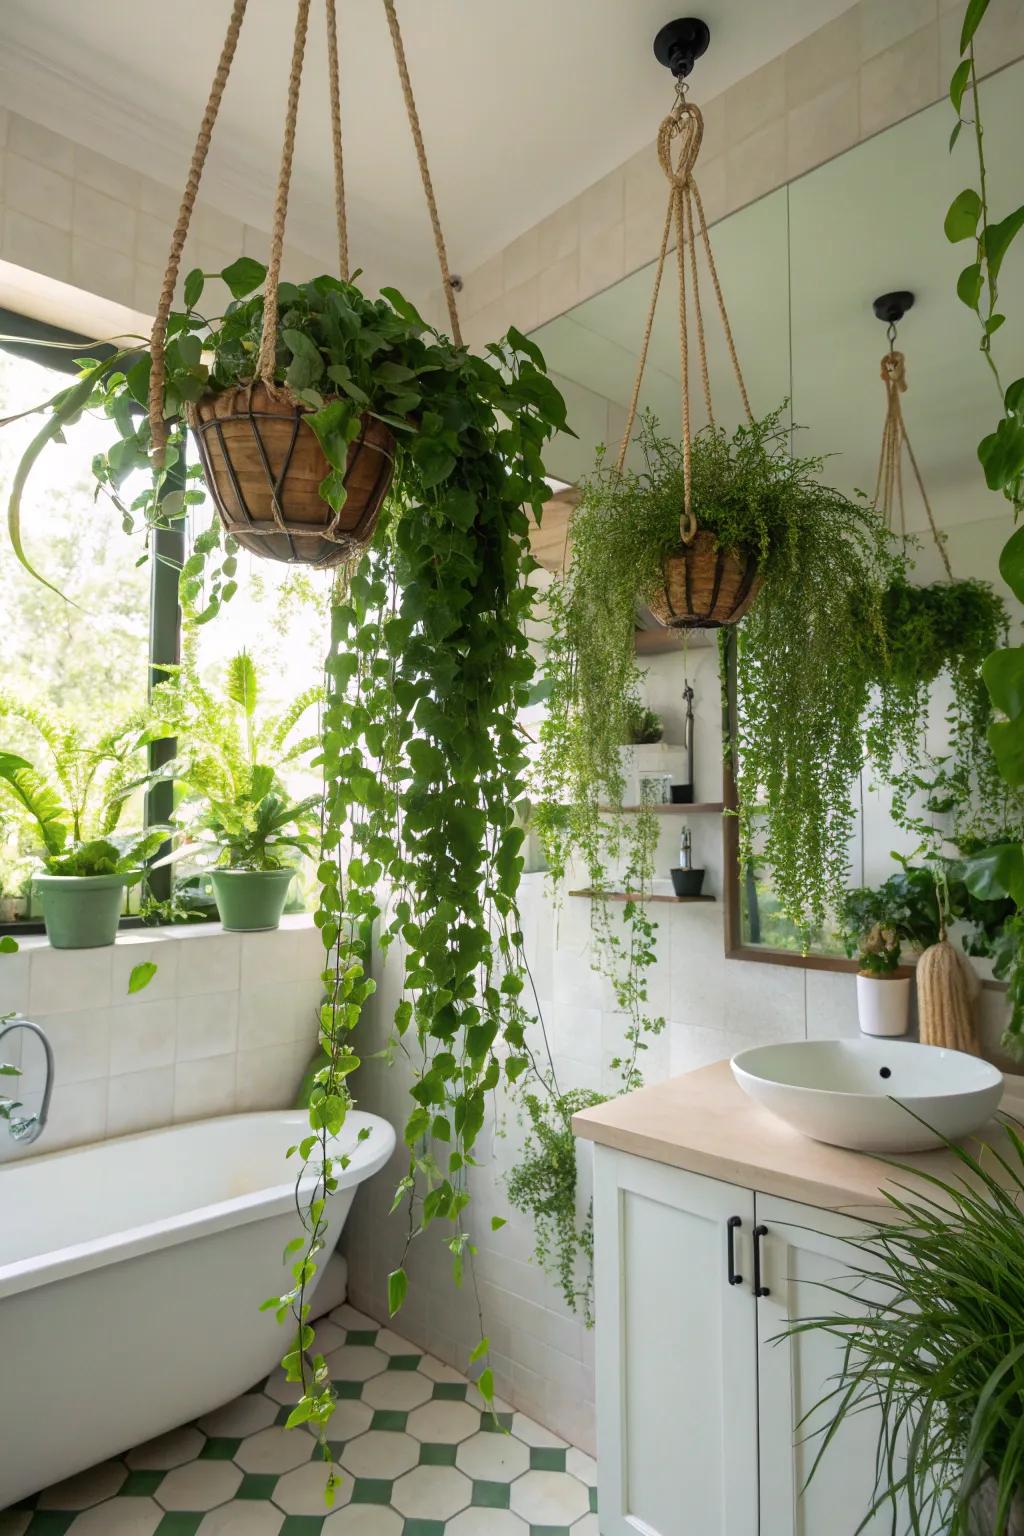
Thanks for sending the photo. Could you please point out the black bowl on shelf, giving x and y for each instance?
(687, 882)
(682, 794)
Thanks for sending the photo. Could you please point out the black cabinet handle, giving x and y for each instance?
(731, 1227)
(759, 1289)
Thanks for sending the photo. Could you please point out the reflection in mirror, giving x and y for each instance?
(845, 855)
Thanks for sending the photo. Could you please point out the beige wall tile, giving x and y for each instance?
(218, 228)
(823, 127)
(646, 183)
(558, 235)
(1000, 38)
(152, 240)
(711, 179)
(146, 288)
(481, 287)
(98, 269)
(39, 247)
(4, 122)
(644, 229)
(37, 191)
(827, 57)
(37, 143)
(160, 200)
(884, 23)
(900, 81)
(107, 176)
(755, 166)
(603, 204)
(754, 102)
(103, 219)
(602, 258)
(715, 141)
(559, 286)
(521, 306)
(521, 260)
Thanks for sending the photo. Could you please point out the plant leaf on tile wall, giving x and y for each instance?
(141, 975)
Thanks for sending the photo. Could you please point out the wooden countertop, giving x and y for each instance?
(705, 1123)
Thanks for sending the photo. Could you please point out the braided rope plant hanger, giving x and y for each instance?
(705, 587)
(888, 498)
(262, 462)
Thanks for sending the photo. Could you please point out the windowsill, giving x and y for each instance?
(292, 922)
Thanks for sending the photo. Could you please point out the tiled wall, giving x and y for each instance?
(228, 1023)
(877, 63)
(71, 214)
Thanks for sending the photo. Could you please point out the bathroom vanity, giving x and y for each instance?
(715, 1224)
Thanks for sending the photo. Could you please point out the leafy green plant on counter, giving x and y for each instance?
(643, 726)
(940, 1354)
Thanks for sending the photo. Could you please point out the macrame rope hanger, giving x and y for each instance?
(268, 340)
(888, 497)
(678, 146)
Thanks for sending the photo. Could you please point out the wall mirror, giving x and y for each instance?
(800, 269)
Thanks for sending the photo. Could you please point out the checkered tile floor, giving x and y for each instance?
(416, 1452)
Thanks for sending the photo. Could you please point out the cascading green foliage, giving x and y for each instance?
(423, 763)
(806, 653)
(940, 1356)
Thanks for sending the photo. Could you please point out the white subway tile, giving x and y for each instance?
(207, 1025)
(267, 1078)
(78, 1115)
(135, 948)
(37, 191)
(204, 1088)
(277, 1012)
(209, 963)
(141, 1036)
(70, 980)
(140, 1101)
(285, 954)
(80, 1044)
(14, 983)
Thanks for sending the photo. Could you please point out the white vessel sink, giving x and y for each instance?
(860, 1093)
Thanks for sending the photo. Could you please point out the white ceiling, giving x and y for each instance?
(523, 103)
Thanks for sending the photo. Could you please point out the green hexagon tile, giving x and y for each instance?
(417, 1453)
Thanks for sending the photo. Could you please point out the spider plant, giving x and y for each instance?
(941, 1353)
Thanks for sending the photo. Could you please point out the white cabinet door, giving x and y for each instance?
(676, 1352)
(803, 1252)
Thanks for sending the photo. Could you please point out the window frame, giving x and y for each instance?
(27, 337)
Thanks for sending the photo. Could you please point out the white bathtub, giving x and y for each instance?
(131, 1275)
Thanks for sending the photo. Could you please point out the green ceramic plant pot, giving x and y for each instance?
(82, 911)
(250, 899)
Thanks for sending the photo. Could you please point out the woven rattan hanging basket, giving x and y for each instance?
(705, 587)
(263, 466)
(262, 462)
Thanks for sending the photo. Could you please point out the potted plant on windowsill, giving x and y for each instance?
(76, 806)
(234, 805)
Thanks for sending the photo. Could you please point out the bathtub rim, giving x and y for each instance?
(201, 1221)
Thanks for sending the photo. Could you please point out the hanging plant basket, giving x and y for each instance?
(263, 466)
(705, 587)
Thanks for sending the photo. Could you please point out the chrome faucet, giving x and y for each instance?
(31, 1127)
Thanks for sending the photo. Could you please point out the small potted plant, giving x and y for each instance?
(235, 807)
(254, 836)
(871, 931)
(76, 806)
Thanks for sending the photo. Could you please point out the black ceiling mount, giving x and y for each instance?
(891, 307)
(680, 44)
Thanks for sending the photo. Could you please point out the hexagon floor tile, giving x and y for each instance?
(413, 1452)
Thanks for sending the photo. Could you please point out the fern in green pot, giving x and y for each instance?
(74, 800)
(235, 816)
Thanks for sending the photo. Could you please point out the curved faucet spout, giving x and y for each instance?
(31, 1127)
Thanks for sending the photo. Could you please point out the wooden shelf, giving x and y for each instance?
(702, 807)
(676, 901)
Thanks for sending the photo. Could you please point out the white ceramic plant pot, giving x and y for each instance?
(883, 1004)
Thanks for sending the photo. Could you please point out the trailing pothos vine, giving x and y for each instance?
(996, 872)
(423, 763)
